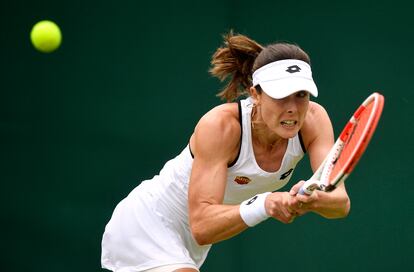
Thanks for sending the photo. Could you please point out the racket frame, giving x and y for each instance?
(319, 180)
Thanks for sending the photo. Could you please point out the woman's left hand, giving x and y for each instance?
(333, 204)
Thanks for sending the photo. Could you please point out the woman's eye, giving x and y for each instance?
(302, 94)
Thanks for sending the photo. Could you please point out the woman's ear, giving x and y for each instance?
(254, 94)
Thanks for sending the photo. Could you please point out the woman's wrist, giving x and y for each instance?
(253, 210)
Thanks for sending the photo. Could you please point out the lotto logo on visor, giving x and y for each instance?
(293, 69)
(282, 78)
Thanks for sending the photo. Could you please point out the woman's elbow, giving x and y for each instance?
(340, 211)
(199, 234)
(343, 210)
(347, 207)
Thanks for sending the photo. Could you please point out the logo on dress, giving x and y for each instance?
(242, 180)
(293, 69)
(285, 175)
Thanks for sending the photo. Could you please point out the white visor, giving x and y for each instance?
(282, 78)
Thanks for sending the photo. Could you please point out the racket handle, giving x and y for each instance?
(308, 187)
(303, 191)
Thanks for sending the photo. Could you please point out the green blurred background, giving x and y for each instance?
(81, 127)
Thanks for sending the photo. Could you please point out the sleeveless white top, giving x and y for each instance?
(159, 208)
(244, 178)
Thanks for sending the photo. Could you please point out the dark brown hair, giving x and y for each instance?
(240, 56)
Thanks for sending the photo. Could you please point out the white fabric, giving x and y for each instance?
(170, 268)
(258, 180)
(282, 78)
(150, 228)
(253, 210)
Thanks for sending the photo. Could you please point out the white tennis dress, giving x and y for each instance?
(150, 227)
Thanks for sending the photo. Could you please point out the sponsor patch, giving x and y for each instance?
(242, 180)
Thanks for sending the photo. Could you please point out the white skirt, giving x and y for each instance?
(144, 233)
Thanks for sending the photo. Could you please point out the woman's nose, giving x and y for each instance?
(291, 106)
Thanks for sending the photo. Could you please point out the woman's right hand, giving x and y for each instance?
(280, 205)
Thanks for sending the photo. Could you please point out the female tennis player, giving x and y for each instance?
(226, 179)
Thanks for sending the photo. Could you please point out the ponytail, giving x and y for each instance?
(235, 59)
(241, 56)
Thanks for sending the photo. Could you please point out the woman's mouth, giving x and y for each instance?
(288, 123)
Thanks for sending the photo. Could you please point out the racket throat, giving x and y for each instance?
(329, 188)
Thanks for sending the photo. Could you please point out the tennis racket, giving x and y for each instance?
(348, 148)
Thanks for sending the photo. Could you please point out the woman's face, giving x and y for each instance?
(285, 116)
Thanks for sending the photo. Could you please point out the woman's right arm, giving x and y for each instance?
(214, 143)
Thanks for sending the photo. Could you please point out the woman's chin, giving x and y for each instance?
(287, 133)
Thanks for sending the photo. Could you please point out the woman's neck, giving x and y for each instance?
(262, 136)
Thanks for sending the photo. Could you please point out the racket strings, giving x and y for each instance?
(355, 134)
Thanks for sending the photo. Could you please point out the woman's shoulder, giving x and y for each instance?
(317, 122)
(315, 115)
(226, 109)
(221, 115)
(316, 109)
(219, 128)
(224, 118)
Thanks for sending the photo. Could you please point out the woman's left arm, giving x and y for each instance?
(318, 138)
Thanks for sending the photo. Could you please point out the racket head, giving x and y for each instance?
(355, 138)
(348, 148)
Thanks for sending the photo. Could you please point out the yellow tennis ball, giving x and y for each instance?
(46, 36)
